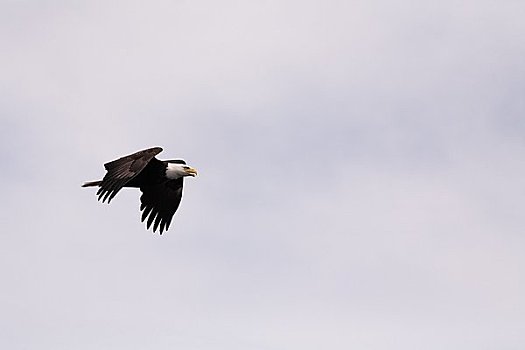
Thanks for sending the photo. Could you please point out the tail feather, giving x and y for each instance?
(92, 183)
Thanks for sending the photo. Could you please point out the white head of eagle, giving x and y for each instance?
(160, 181)
(177, 168)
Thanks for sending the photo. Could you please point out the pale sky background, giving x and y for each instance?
(361, 174)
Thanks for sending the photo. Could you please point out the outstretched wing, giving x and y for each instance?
(122, 170)
(160, 202)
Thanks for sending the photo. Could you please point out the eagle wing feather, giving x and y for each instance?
(122, 170)
(159, 203)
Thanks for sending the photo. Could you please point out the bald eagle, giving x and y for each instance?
(160, 181)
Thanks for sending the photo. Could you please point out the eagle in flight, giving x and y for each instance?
(160, 181)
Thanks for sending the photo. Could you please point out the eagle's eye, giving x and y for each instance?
(185, 167)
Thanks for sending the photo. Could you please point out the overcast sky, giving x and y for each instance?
(361, 174)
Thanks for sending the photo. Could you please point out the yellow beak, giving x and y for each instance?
(191, 172)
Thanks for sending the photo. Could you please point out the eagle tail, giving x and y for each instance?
(92, 183)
